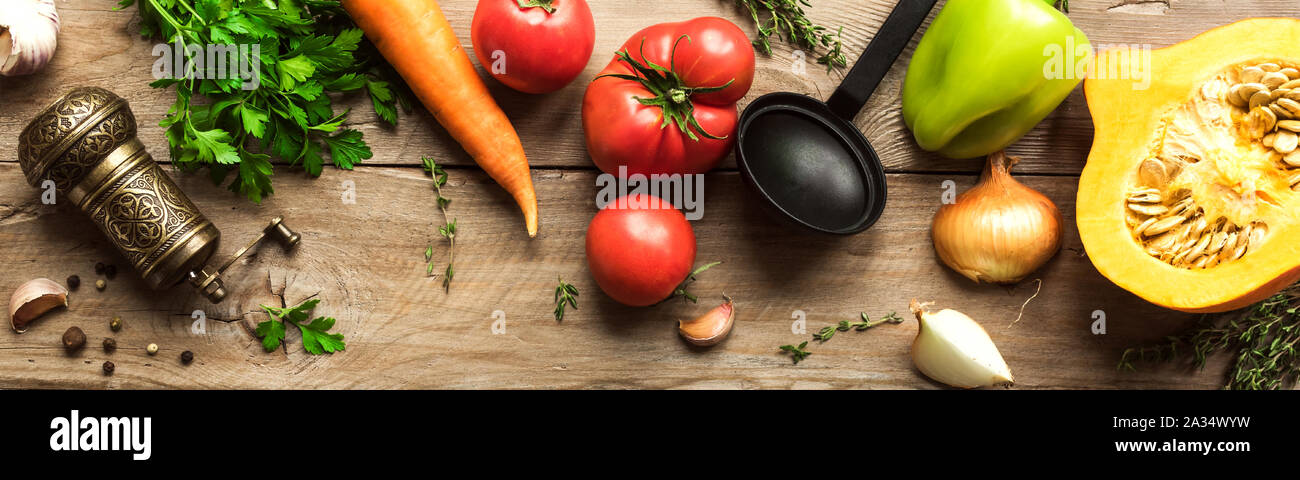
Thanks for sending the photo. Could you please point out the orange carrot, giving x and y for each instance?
(414, 36)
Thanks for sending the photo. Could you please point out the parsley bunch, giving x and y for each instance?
(308, 49)
(316, 338)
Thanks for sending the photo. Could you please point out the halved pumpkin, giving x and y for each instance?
(1189, 198)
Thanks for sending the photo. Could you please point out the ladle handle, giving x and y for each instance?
(880, 54)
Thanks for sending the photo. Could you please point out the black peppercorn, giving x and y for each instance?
(110, 345)
(110, 271)
(99, 268)
(73, 282)
(187, 356)
(108, 368)
(74, 339)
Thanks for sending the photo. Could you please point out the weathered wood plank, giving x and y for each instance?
(366, 262)
(101, 47)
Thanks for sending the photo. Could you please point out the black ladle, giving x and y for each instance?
(807, 159)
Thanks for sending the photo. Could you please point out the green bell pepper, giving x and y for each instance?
(987, 71)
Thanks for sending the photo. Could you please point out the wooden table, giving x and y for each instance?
(366, 260)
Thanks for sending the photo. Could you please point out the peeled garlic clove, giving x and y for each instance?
(710, 328)
(29, 32)
(952, 349)
(33, 299)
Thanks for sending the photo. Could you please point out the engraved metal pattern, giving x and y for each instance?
(70, 136)
(144, 214)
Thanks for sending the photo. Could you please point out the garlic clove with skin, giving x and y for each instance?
(29, 31)
(953, 349)
(710, 328)
(32, 299)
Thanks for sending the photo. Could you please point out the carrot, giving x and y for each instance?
(414, 36)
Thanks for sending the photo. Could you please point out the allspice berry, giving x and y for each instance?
(108, 368)
(187, 357)
(110, 345)
(74, 339)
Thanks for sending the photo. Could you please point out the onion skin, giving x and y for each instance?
(998, 231)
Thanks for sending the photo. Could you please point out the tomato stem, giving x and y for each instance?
(672, 95)
(542, 4)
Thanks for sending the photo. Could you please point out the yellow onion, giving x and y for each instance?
(999, 231)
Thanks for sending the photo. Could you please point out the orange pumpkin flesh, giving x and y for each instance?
(1187, 122)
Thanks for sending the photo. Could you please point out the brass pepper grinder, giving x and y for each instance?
(84, 145)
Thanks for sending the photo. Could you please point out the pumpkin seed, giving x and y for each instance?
(1257, 235)
(1229, 245)
(1292, 125)
(1216, 243)
(1200, 246)
(1252, 74)
(1290, 105)
(1293, 159)
(1145, 197)
(1279, 93)
(1290, 85)
(1247, 90)
(1279, 112)
(1268, 140)
(1152, 173)
(1285, 142)
(1147, 209)
(1269, 67)
(1259, 99)
(1159, 226)
(1273, 79)
(1290, 73)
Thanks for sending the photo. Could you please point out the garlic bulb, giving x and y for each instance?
(999, 231)
(952, 349)
(29, 32)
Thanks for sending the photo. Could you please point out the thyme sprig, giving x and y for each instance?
(797, 353)
(786, 19)
(680, 291)
(1262, 339)
(448, 228)
(565, 295)
(827, 332)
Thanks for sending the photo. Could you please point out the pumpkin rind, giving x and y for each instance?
(1123, 116)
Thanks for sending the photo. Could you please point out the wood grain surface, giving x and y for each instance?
(365, 260)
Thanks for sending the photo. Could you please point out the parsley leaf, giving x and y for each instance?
(306, 51)
(316, 338)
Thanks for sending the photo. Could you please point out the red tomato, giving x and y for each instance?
(539, 52)
(621, 130)
(639, 249)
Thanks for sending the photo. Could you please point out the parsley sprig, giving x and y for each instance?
(447, 229)
(308, 50)
(786, 19)
(316, 338)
